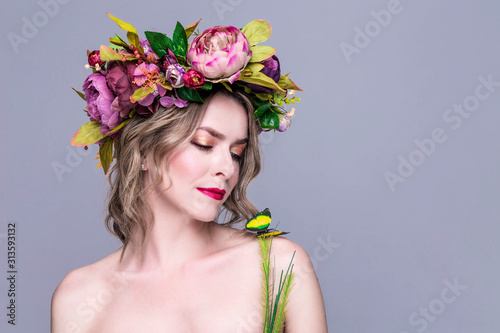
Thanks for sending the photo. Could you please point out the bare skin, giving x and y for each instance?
(191, 275)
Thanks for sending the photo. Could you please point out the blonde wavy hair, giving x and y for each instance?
(166, 131)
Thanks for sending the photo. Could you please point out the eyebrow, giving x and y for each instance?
(221, 136)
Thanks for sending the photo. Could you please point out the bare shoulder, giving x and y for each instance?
(72, 293)
(306, 310)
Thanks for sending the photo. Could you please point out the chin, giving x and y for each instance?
(206, 215)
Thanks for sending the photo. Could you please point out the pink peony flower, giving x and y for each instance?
(99, 99)
(220, 53)
(193, 79)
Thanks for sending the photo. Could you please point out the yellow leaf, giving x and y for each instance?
(286, 83)
(260, 53)
(257, 31)
(106, 153)
(190, 29)
(133, 39)
(254, 67)
(261, 80)
(166, 85)
(108, 54)
(88, 134)
(117, 128)
(140, 94)
(124, 25)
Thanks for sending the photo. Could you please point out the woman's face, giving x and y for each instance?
(204, 171)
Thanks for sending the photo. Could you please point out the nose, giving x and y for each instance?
(224, 165)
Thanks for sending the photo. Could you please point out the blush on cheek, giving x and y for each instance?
(185, 163)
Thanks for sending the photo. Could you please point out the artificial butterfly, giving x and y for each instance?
(260, 224)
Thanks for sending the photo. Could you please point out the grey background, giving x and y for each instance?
(383, 255)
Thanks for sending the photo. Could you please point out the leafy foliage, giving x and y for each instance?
(274, 307)
(159, 42)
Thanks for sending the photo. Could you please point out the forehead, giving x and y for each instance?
(226, 116)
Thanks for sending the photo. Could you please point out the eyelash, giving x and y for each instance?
(204, 148)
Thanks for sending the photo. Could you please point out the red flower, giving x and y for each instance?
(95, 58)
(193, 79)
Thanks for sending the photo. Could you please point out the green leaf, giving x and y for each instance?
(189, 95)
(88, 134)
(286, 83)
(260, 53)
(269, 120)
(253, 67)
(180, 41)
(190, 28)
(261, 109)
(106, 153)
(227, 86)
(165, 84)
(262, 98)
(206, 85)
(158, 42)
(82, 95)
(257, 31)
(119, 127)
(118, 43)
(107, 54)
(140, 93)
(278, 98)
(261, 80)
(124, 25)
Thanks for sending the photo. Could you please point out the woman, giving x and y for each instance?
(176, 167)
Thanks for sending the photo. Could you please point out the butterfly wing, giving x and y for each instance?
(271, 233)
(261, 222)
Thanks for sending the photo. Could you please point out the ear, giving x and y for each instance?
(144, 164)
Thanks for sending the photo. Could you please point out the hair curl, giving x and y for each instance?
(166, 131)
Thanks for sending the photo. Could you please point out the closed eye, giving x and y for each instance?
(201, 147)
(236, 157)
(206, 148)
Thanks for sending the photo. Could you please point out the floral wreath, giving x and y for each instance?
(138, 76)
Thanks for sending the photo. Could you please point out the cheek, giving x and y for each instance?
(234, 179)
(184, 165)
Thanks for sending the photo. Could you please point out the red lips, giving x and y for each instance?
(214, 193)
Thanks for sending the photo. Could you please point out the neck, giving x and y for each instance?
(173, 240)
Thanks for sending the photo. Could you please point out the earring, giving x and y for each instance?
(143, 167)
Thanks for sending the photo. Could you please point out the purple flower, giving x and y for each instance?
(149, 110)
(147, 76)
(147, 48)
(167, 60)
(285, 122)
(271, 69)
(169, 101)
(174, 75)
(119, 78)
(220, 53)
(99, 99)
